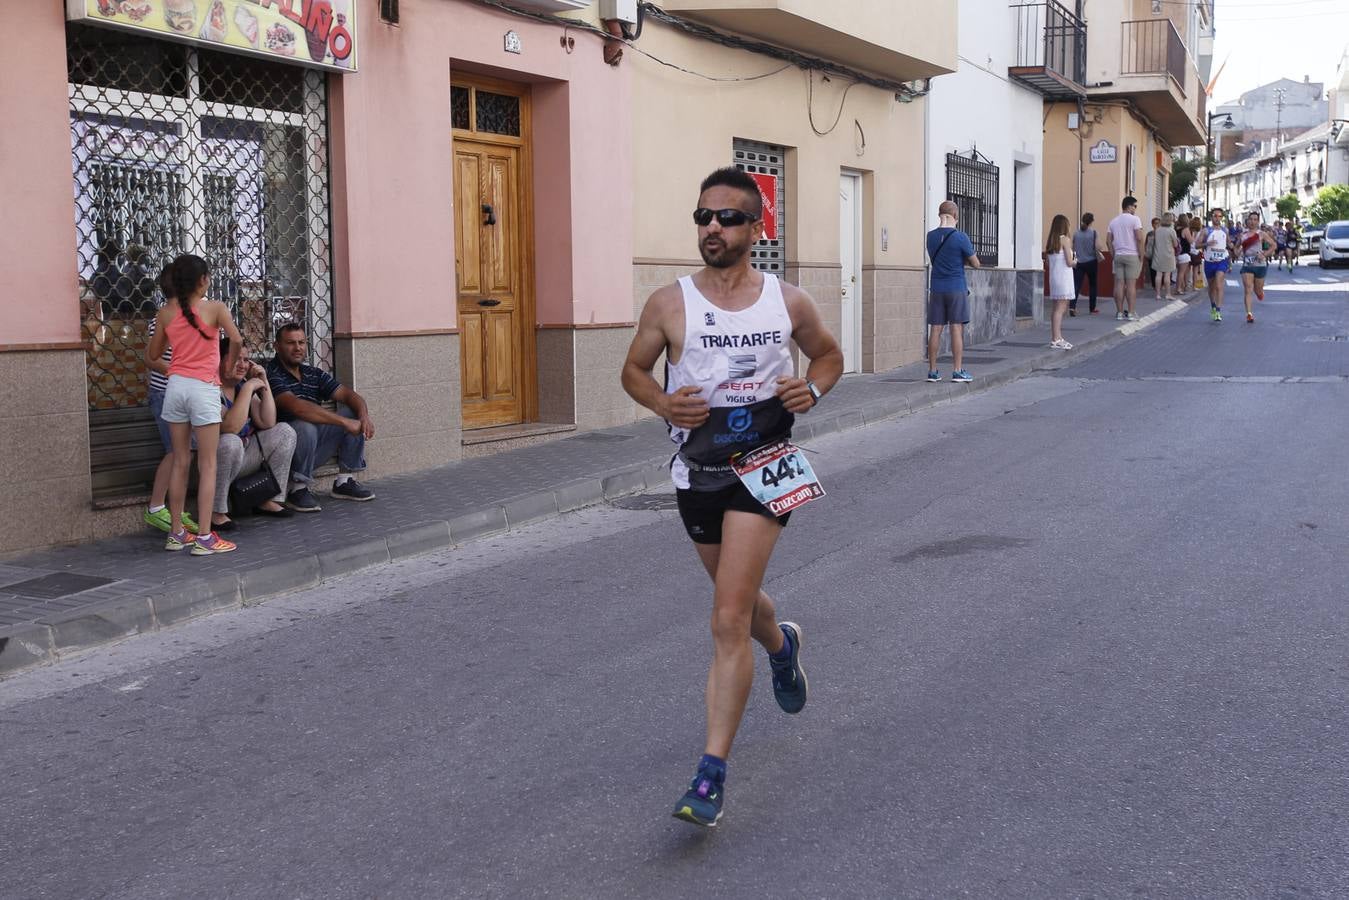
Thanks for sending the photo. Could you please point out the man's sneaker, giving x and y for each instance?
(180, 541)
(1213, 313)
(351, 489)
(1217, 315)
(934, 375)
(164, 521)
(789, 679)
(1120, 317)
(961, 375)
(302, 501)
(207, 544)
(701, 803)
(1250, 318)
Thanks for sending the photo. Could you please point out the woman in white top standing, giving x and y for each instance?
(1059, 252)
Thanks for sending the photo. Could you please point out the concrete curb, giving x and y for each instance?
(147, 608)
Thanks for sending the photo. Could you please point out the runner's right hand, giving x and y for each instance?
(685, 409)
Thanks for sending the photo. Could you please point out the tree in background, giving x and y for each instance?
(1183, 175)
(1288, 206)
(1332, 204)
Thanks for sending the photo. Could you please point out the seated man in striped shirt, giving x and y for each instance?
(299, 390)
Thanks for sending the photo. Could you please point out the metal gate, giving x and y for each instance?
(972, 184)
(767, 159)
(184, 150)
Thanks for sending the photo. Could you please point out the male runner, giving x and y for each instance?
(1294, 240)
(725, 332)
(1218, 253)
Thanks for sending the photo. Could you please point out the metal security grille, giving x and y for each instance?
(972, 184)
(182, 150)
(767, 159)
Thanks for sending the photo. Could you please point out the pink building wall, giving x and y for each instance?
(393, 178)
(37, 206)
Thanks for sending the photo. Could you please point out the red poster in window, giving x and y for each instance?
(768, 188)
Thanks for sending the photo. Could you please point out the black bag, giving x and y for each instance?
(247, 492)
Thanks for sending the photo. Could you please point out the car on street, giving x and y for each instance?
(1335, 244)
(1311, 239)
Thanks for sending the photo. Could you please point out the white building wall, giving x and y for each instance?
(978, 107)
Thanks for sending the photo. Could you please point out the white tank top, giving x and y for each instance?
(735, 357)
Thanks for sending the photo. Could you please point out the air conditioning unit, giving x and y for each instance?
(550, 6)
(623, 10)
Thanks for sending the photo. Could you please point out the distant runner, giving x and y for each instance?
(731, 395)
(1293, 241)
(1213, 244)
(1256, 242)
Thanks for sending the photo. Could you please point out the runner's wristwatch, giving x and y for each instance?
(814, 391)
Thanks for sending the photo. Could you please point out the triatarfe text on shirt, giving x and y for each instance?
(732, 341)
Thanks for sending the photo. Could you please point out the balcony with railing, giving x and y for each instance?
(1160, 77)
(1051, 50)
(898, 39)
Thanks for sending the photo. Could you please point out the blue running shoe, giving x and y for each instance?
(789, 679)
(961, 375)
(701, 803)
(934, 375)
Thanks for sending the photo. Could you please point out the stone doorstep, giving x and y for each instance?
(26, 645)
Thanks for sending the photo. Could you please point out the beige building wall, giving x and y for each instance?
(1103, 185)
(684, 126)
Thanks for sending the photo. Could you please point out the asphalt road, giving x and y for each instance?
(1081, 636)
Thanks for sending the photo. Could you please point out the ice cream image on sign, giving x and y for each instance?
(181, 15)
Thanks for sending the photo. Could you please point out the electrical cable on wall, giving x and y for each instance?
(810, 103)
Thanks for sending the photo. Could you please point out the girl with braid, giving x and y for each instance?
(191, 326)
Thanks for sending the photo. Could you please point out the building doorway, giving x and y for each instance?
(850, 255)
(492, 250)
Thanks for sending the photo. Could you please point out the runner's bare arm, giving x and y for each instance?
(684, 408)
(826, 359)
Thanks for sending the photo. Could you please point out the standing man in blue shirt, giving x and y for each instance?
(948, 301)
(300, 389)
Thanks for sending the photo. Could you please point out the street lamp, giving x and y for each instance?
(1228, 125)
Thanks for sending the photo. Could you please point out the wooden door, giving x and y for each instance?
(488, 257)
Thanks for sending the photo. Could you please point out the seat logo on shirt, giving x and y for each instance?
(742, 367)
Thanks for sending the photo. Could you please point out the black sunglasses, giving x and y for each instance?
(726, 218)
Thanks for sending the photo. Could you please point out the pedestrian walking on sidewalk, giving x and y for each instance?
(1062, 261)
(948, 298)
(1184, 271)
(192, 326)
(1217, 256)
(1165, 249)
(1087, 249)
(1124, 240)
(726, 334)
(1256, 242)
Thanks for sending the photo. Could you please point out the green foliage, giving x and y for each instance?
(1332, 204)
(1183, 175)
(1288, 206)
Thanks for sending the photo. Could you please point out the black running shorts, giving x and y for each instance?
(702, 511)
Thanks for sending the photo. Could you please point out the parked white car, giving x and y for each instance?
(1335, 244)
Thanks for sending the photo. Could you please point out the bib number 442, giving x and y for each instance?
(779, 476)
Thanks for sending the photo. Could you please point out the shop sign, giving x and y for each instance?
(1104, 152)
(768, 188)
(319, 33)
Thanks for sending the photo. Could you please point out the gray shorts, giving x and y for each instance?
(948, 308)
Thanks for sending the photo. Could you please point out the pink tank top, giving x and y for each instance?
(195, 355)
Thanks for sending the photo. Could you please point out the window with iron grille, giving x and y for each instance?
(972, 184)
(184, 150)
(769, 255)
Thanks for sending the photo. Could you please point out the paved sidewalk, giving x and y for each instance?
(67, 599)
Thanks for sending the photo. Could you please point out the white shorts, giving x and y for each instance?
(1183, 259)
(190, 400)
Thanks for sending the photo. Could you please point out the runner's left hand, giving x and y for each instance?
(794, 394)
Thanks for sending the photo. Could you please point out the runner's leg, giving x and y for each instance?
(1247, 289)
(749, 539)
(764, 626)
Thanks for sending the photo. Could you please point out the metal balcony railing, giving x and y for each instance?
(1153, 47)
(1050, 38)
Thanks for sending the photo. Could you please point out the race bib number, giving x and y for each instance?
(779, 476)
(1216, 256)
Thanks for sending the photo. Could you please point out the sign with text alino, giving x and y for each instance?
(320, 33)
